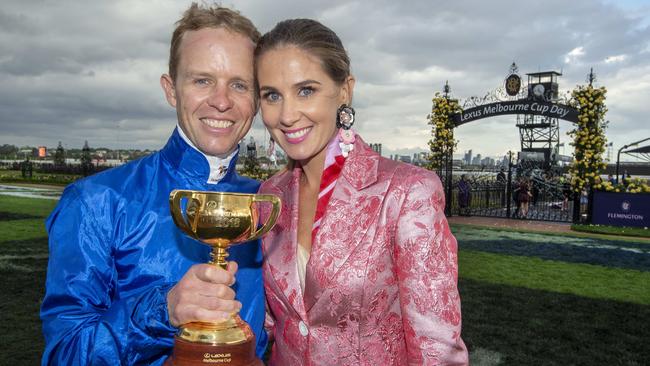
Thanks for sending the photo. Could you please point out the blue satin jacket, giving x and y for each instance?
(115, 253)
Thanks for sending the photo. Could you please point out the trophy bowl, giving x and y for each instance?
(220, 220)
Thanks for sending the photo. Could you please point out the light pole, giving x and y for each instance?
(618, 156)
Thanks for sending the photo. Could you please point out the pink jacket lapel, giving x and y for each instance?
(281, 242)
(353, 208)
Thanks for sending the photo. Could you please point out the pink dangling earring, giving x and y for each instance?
(344, 122)
(345, 117)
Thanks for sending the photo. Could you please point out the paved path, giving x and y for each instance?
(559, 227)
(31, 190)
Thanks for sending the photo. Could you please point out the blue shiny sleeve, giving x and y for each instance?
(83, 321)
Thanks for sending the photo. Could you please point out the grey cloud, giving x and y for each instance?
(81, 70)
(16, 24)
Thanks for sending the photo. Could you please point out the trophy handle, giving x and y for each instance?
(175, 198)
(275, 201)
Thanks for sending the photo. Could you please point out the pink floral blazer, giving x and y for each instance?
(381, 282)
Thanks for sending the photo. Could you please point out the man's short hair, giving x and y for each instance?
(215, 16)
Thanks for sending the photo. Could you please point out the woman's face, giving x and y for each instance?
(299, 101)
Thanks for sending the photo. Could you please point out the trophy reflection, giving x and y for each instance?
(218, 219)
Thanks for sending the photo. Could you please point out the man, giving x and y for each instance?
(121, 277)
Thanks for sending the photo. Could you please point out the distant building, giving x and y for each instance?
(488, 161)
(376, 148)
(503, 162)
(420, 158)
(28, 152)
(405, 158)
(468, 157)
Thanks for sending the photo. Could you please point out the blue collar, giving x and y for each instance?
(192, 163)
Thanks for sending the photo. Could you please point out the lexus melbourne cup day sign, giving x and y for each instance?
(525, 106)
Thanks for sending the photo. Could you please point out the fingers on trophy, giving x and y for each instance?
(220, 220)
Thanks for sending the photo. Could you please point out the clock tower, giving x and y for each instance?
(543, 85)
(540, 135)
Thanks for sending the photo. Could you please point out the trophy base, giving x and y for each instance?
(192, 353)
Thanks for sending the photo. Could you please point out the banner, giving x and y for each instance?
(525, 106)
(621, 209)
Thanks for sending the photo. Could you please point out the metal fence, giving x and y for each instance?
(550, 197)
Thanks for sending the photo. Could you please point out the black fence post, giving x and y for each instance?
(509, 186)
(576, 206)
(448, 183)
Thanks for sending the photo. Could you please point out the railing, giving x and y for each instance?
(549, 201)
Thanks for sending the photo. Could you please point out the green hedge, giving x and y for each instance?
(14, 176)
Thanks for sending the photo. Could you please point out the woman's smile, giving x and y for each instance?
(296, 136)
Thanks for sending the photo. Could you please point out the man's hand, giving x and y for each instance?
(203, 294)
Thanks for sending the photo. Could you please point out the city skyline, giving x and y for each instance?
(261, 145)
(71, 77)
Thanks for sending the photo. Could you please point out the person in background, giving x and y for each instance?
(567, 193)
(464, 195)
(524, 196)
(626, 178)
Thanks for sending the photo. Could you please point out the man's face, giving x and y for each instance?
(214, 89)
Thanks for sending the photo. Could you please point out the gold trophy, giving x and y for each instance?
(219, 220)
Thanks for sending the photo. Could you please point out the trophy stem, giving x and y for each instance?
(218, 257)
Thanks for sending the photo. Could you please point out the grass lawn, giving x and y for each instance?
(528, 298)
(23, 261)
(541, 299)
(521, 326)
(559, 277)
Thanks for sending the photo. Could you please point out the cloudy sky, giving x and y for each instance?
(75, 70)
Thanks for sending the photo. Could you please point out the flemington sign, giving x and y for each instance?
(621, 209)
(527, 106)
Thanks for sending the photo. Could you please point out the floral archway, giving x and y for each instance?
(588, 137)
(442, 144)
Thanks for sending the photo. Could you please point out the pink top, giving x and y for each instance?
(380, 287)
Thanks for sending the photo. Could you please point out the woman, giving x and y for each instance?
(524, 196)
(464, 195)
(360, 268)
